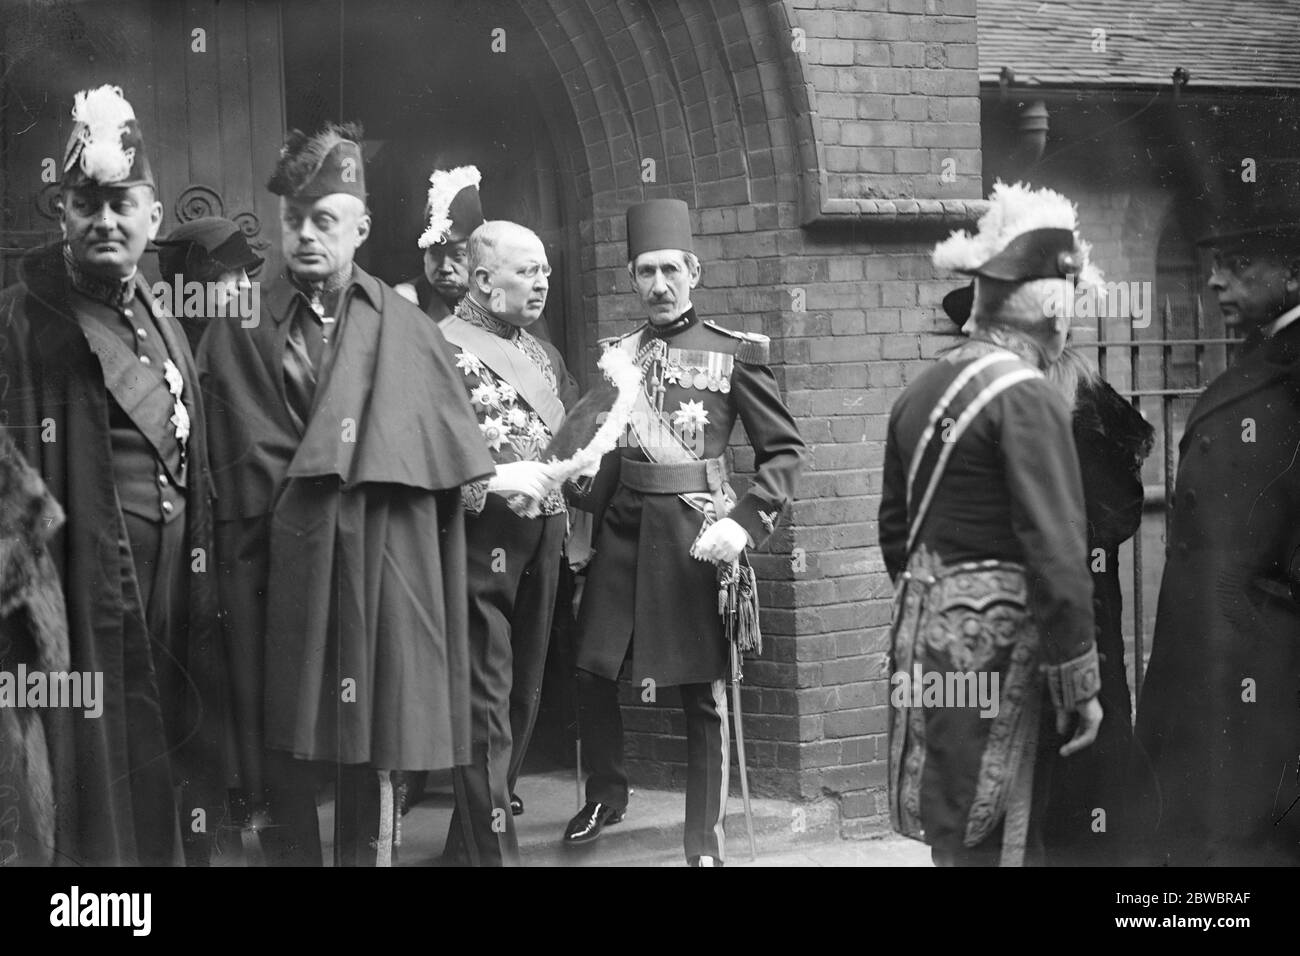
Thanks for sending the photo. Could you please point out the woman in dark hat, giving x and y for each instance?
(1112, 440)
(214, 253)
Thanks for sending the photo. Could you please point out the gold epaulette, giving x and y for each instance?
(752, 348)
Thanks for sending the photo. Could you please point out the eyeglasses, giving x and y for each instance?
(530, 272)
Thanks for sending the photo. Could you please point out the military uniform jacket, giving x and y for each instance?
(111, 773)
(1218, 715)
(643, 585)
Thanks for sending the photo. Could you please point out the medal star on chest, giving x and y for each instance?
(180, 417)
(691, 415)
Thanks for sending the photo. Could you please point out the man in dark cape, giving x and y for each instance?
(92, 368)
(1219, 712)
(342, 437)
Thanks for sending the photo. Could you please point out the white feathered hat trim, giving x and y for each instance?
(1013, 211)
(103, 114)
(444, 184)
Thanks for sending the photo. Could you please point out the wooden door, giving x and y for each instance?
(204, 78)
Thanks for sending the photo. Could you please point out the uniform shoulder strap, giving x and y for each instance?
(752, 348)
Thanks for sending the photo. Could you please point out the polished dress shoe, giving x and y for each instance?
(516, 805)
(589, 821)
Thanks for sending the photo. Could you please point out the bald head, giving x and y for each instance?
(508, 271)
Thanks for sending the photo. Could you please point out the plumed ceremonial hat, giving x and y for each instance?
(453, 209)
(1025, 234)
(658, 224)
(106, 147)
(203, 249)
(327, 162)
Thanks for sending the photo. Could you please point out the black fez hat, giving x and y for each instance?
(453, 209)
(203, 249)
(106, 147)
(329, 161)
(658, 224)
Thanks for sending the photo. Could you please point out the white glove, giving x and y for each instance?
(532, 479)
(721, 542)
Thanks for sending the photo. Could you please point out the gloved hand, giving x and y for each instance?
(1085, 730)
(532, 479)
(721, 542)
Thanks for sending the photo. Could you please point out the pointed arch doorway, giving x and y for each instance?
(445, 85)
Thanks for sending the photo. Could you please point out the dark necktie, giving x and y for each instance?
(302, 358)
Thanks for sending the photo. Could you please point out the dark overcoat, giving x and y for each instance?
(341, 545)
(1112, 439)
(1219, 712)
(111, 773)
(643, 586)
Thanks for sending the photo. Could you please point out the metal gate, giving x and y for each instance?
(1162, 376)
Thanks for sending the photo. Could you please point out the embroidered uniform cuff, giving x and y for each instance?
(1074, 681)
(474, 495)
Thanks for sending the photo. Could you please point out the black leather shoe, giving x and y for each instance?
(703, 860)
(516, 805)
(589, 821)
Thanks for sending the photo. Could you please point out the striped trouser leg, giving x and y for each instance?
(708, 757)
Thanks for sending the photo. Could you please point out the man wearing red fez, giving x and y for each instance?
(452, 211)
(103, 399)
(666, 518)
(342, 436)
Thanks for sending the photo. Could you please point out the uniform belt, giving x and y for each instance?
(676, 478)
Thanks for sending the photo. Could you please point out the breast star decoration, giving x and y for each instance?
(180, 416)
(505, 418)
(690, 416)
(495, 431)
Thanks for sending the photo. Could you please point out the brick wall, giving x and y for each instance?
(810, 140)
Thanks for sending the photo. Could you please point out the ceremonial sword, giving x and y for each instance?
(740, 747)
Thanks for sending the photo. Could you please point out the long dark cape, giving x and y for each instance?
(342, 548)
(111, 773)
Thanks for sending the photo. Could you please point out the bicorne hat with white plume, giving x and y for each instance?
(453, 209)
(106, 147)
(1025, 234)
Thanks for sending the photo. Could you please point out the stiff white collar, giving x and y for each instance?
(1281, 322)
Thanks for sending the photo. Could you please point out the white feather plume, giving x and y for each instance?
(1013, 210)
(444, 184)
(625, 376)
(104, 114)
